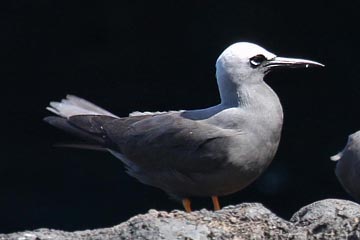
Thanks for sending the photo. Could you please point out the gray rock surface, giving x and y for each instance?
(330, 218)
(326, 219)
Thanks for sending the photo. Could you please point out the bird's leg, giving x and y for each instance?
(186, 203)
(216, 203)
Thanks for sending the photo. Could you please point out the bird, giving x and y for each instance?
(347, 168)
(210, 152)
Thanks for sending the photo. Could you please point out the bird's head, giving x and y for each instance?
(248, 62)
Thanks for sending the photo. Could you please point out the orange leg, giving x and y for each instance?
(216, 203)
(186, 203)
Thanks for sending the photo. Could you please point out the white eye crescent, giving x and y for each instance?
(257, 60)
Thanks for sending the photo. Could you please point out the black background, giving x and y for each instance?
(141, 55)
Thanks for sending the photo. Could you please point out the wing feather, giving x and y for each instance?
(170, 141)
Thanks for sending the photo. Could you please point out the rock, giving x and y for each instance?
(326, 219)
(329, 218)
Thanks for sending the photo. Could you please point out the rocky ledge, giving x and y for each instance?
(326, 219)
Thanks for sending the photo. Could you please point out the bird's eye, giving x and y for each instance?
(257, 60)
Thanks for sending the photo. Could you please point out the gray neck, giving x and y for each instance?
(233, 94)
(230, 94)
(255, 98)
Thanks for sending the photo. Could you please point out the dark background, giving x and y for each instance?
(141, 55)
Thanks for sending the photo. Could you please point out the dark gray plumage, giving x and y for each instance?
(206, 152)
(348, 166)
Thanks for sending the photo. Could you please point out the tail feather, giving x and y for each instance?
(82, 119)
(81, 146)
(86, 105)
(64, 124)
(74, 105)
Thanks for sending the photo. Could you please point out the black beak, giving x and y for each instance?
(281, 62)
